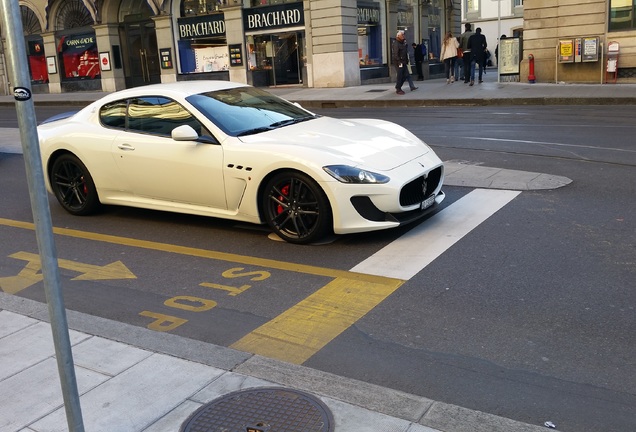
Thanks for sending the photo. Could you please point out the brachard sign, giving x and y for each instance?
(368, 13)
(203, 26)
(270, 17)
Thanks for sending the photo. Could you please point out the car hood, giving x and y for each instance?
(373, 144)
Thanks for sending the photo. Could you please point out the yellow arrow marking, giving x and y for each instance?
(31, 274)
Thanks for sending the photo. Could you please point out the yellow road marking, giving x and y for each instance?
(301, 331)
(201, 253)
(32, 272)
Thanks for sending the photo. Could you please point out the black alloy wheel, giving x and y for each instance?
(296, 208)
(73, 186)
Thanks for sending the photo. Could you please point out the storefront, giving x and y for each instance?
(371, 50)
(78, 60)
(202, 46)
(35, 50)
(275, 43)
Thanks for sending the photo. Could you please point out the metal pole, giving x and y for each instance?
(498, 37)
(18, 68)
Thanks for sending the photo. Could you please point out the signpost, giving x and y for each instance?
(19, 73)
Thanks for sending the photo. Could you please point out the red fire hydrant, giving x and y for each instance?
(531, 77)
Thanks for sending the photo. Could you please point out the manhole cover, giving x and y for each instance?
(266, 409)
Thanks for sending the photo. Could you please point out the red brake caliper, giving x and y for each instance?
(285, 191)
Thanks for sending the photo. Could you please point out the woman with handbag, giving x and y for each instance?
(449, 56)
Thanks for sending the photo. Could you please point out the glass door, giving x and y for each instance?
(140, 54)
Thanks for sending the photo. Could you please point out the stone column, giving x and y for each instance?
(332, 43)
(107, 35)
(235, 35)
(50, 50)
(165, 39)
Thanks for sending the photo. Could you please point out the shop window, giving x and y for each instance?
(276, 59)
(35, 46)
(79, 57)
(471, 8)
(202, 41)
(255, 3)
(622, 15)
(370, 33)
(435, 36)
(77, 46)
(200, 7)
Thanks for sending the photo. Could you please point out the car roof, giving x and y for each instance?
(183, 88)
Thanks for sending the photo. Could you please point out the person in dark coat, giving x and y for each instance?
(400, 59)
(477, 46)
(419, 59)
(463, 42)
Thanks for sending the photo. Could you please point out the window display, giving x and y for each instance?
(369, 34)
(78, 56)
(202, 44)
(37, 62)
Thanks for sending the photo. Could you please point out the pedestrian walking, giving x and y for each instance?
(466, 49)
(449, 56)
(459, 63)
(503, 36)
(418, 54)
(400, 59)
(477, 45)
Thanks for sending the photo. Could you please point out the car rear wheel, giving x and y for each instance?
(73, 186)
(296, 208)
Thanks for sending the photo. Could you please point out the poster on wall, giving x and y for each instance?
(212, 59)
(566, 51)
(509, 56)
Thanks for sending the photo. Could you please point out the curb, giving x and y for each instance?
(416, 409)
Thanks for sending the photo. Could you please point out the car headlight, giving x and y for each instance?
(349, 174)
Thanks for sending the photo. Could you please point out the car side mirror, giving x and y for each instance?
(184, 133)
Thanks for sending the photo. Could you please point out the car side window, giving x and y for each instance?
(159, 115)
(114, 114)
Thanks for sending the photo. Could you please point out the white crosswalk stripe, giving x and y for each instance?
(409, 254)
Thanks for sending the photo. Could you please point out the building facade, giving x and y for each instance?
(496, 19)
(108, 45)
(570, 40)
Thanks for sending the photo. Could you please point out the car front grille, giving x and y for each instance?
(421, 188)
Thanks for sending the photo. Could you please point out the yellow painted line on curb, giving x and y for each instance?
(301, 331)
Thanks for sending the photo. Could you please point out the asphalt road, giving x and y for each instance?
(531, 315)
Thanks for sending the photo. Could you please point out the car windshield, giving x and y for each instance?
(247, 110)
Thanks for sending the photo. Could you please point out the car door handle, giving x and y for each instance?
(125, 147)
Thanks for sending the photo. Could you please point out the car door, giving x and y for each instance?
(158, 168)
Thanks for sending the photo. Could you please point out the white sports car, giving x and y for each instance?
(229, 150)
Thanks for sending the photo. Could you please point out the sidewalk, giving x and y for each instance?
(434, 92)
(132, 379)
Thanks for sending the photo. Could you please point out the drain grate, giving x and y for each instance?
(376, 91)
(263, 409)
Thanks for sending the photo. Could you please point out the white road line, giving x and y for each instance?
(409, 254)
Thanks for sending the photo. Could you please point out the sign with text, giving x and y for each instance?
(271, 17)
(590, 47)
(566, 51)
(509, 56)
(200, 27)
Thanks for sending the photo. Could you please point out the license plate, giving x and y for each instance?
(427, 202)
